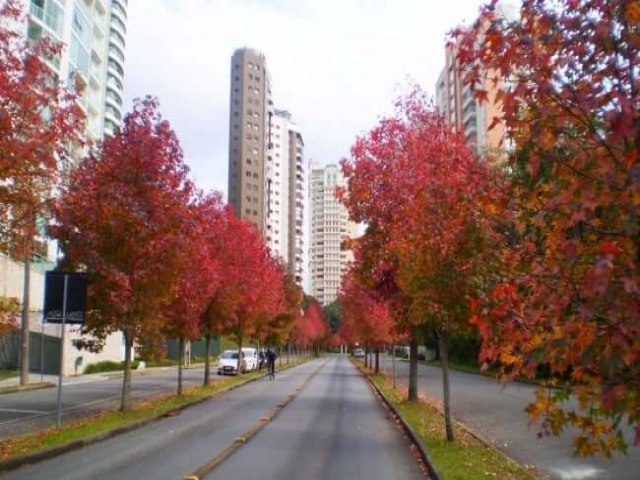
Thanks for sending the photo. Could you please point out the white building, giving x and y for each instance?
(330, 226)
(285, 192)
(93, 35)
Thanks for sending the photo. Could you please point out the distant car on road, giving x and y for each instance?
(228, 363)
(358, 353)
(250, 358)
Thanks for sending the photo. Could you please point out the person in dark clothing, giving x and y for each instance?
(271, 363)
(261, 360)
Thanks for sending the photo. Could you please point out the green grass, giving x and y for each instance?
(89, 427)
(4, 374)
(465, 459)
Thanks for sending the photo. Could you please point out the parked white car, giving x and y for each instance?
(228, 363)
(250, 358)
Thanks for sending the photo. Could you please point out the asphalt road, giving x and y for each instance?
(84, 396)
(498, 415)
(334, 429)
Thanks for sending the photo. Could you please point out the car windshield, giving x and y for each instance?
(229, 355)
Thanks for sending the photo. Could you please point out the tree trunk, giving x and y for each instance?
(444, 362)
(125, 403)
(240, 362)
(180, 363)
(207, 359)
(366, 357)
(377, 370)
(288, 353)
(24, 325)
(413, 367)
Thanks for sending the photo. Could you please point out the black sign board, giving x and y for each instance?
(54, 303)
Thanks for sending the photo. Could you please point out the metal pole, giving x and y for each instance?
(42, 354)
(64, 315)
(394, 366)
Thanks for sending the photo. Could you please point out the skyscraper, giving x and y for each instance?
(249, 114)
(93, 33)
(330, 227)
(266, 150)
(285, 192)
(460, 108)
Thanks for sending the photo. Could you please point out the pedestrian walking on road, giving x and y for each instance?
(271, 363)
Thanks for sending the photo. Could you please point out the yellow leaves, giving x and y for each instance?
(632, 15)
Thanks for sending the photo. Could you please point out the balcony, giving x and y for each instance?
(117, 39)
(115, 70)
(118, 10)
(51, 18)
(118, 25)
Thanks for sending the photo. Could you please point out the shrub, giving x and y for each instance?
(108, 366)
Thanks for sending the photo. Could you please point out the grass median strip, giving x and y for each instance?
(100, 425)
(467, 458)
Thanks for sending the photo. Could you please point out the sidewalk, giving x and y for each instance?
(36, 379)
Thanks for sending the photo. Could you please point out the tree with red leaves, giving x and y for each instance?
(311, 330)
(366, 319)
(39, 121)
(434, 207)
(569, 300)
(251, 292)
(199, 275)
(123, 217)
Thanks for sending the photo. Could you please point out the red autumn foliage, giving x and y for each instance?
(39, 121)
(123, 217)
(569, 300)
(311, 328)
(365, 318)
(431, 208)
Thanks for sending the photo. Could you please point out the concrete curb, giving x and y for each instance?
(433, 472)
(17, 462)
(26, 388)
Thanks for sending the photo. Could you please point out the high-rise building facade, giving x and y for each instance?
(330, 227)
(249, 113)
(93, 34)
(266, 154)
(460, 108)
(285, 191)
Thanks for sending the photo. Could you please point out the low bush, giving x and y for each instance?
(108, 366)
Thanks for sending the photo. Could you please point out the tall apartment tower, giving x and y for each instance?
(249, 114)
(285, 192)
(266, 174)
(330, 226)
(460, 108)
(93, 33)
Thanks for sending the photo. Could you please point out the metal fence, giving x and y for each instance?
(44, 352)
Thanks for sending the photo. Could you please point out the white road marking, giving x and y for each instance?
(577, 472)
(15, 410)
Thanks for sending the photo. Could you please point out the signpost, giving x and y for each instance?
(65, 298)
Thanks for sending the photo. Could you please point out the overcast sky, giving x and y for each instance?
(336, 65)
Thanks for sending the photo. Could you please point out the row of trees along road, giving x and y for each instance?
(163, 258)
(540, 253)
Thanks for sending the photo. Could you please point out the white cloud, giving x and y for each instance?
(336, 65)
